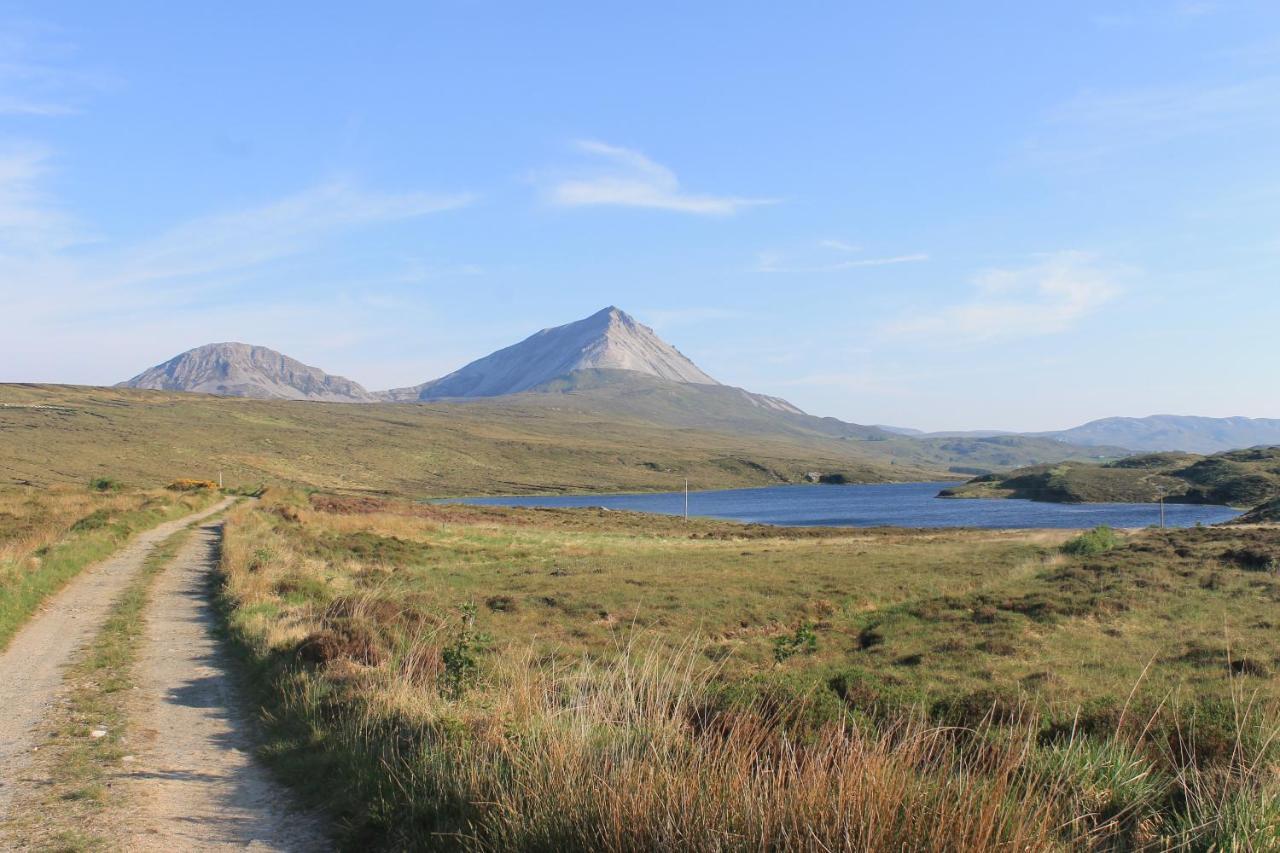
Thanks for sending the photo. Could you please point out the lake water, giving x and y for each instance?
(896, 504)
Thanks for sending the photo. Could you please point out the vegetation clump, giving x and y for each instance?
(804, 640)
(105, 484)
(1092, 542)
(189, 485)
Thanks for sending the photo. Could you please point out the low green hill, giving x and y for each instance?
(1236, 478)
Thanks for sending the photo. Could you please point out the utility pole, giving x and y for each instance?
(686, 498)
(1162, 512)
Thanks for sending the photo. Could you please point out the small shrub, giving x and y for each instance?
(105, 484)
(95, 520)
(461, 658)
(803, 641)
(1095, 541)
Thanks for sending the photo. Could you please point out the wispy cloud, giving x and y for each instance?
(30, 220)
(777, 262)
(1048, 297)
(35, 78)
(668, 317)
(1093, 125)
(230, 242)
(839, 245)
(625, 177)
(183, 263)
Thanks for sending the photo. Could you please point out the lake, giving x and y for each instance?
(896, 504)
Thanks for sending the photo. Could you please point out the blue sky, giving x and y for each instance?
(941, 215)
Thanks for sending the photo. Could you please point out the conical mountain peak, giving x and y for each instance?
(610, 339)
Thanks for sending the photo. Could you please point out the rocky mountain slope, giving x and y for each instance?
(610, 339)
(243, 370)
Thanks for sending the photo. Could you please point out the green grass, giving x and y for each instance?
(623, 664)
(29, 577)
(65, 813)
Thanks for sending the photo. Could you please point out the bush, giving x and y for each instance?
(1095, 541)
(803, 641)
(95, 520)
(105, 484)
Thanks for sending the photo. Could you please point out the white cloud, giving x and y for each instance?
(776, 262)
(1098, 124)
(840, 246)
(627, 178)
(30, 220)
(669, 317)
(1045, 298)
(46, 282)
(35, 79)
(245, 238)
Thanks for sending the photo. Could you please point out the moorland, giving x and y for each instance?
(548, 679)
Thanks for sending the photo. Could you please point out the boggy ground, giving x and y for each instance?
(545, 679)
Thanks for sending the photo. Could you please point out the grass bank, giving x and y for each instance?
(47, 537)
(484, 679)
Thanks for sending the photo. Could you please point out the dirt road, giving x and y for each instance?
(31, 668)
(193, 784)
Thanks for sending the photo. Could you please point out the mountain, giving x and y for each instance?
(608, 340)
(1174, 432)
(243, 370)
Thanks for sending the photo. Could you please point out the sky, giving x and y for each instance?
(928, 214)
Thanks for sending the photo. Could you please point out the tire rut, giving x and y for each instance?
(32, 668)
(193, 783)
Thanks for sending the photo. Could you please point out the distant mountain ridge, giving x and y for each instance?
(1151, 434)
(243, 370)
(610, 339)
(1174, 432)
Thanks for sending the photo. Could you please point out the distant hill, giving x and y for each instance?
(1174, 432)
(243, 370)
(610, 339)
(1245, 478)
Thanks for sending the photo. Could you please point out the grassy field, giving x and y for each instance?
(47, 536)
(533, 443)
(541, 679)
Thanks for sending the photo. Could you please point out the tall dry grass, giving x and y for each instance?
(649, 749)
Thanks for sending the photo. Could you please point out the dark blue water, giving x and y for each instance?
(896, 504)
